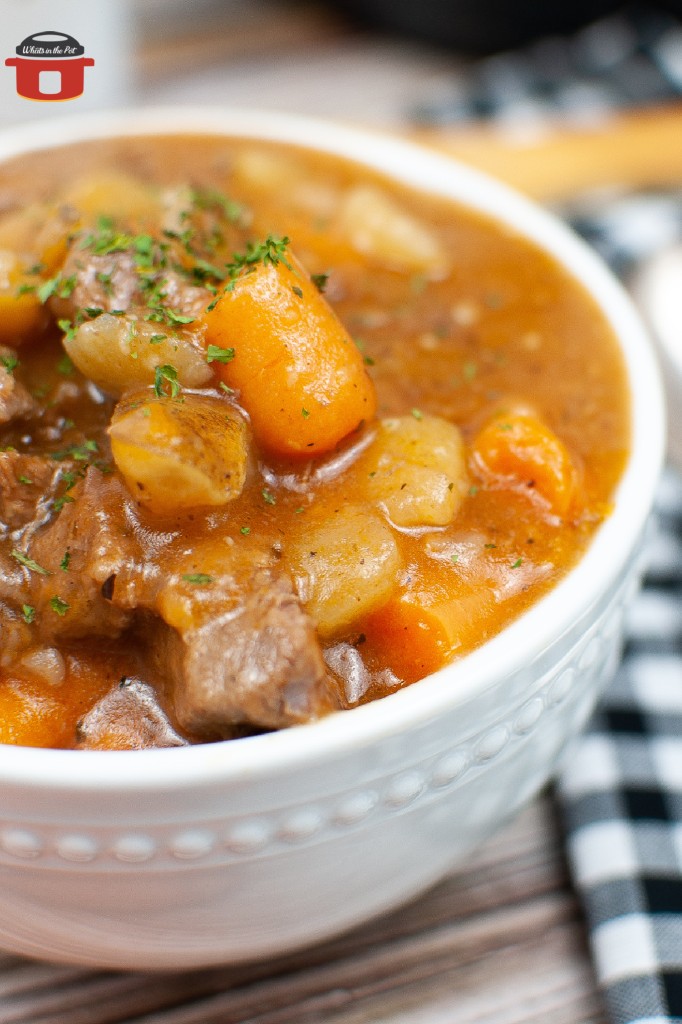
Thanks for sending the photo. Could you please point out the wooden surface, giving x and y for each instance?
(555, 162)
(500, 943)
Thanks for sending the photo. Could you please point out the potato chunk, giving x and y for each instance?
(179, 454)
(345, 567)
(119, 353)
(98, 194)
(377, 227)
(21, 313)
(415, 470)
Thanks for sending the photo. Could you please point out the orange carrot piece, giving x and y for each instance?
(414, 638)
(517, 451)
(300, 377)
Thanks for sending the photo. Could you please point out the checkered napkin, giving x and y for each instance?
(621, 792)
(621, 796)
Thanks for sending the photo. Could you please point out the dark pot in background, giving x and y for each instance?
(481, 26)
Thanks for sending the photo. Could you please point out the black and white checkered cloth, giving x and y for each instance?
(621, 796)
(621, 792)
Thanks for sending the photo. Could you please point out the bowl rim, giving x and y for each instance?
(227, 762)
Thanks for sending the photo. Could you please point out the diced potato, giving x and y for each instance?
(270, 171)
(119, 353)
(18, 229)
(518, 451)
(415, 470)
(111, 193)
(346, 566)
(377, 227)
(208, 579)
(21, 315)
(179, 454)
(38, 234)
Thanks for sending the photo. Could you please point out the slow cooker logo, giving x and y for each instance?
(50, 66)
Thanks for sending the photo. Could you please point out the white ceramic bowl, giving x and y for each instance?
(232, 851)
(658, 289)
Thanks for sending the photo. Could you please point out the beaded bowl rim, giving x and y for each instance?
(528, 636)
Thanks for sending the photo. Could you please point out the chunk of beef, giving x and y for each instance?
(113, 281)
(15, 401)
(257, 662)
(90, 541)
(28, 484)
(128, 717)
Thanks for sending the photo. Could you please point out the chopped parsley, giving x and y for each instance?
(270, 252)
(65, 366)
(268, 497)
(245, 530)
(517, 563)
(166, 381)
(59, 606)
(29, 563)
(59, 503)
(57, 285)
(66, 559)
(216, 354)
(320, 281)
(79, 452)
(10, 362)
(29, 613)
(211, 199)
(198, 578)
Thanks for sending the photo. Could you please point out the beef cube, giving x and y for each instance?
(90, 541)
(27, 485)
(15, 401)
(259, 662)
(128, 717)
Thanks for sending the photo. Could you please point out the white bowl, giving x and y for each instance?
(238, 850)
(658, 290)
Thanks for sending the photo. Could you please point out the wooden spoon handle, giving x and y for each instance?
(637, 149)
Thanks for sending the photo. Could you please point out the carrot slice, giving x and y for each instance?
(517, 451)
(300, 377)
(414, 638)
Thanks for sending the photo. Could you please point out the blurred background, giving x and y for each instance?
(390, 62)
(558, 98)
(400, 62)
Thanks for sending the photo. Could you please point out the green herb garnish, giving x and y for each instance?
(59, 606)
(216, 354)
(166, 381)
(29, 563)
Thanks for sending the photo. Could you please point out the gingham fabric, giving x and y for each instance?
(621, 793)
(621, 796)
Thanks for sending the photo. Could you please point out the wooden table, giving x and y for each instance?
(501, 943)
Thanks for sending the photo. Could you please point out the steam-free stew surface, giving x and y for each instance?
(278, 437)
